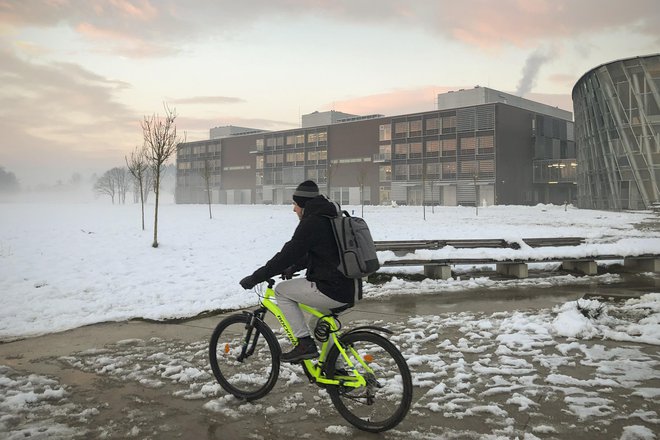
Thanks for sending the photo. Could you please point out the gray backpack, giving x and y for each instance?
(357, 251)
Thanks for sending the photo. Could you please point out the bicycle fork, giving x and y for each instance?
(249, 343)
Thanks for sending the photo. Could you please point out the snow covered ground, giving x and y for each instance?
(67, 265)
(504, 375)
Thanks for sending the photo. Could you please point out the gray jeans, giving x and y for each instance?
(299, 290)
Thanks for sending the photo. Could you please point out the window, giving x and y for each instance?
(260, 163)
(290, 157)
(290, 140)
(468, 146)
(432, 171)
(486, 169)
(385, 132)
(260, 145)
(385, 173)
(432, 126)
(270, 142)
(468, 169)
(485, 145)
(401, 130)
(401, 151)
(432, 148)
(415, 128)
(449, 170)
(415, 171)
(448, 147)
(323, 136)
(300, 139)
(312, 137)
(449, 124)
(415, 150)
(401, 172)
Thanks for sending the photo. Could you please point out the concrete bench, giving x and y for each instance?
(441, 268)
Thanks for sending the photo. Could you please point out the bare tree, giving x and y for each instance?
(206, 175)
(121, 180)
(106, 185)
(137, 166)
(160, 142)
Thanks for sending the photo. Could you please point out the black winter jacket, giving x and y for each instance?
(313, 247)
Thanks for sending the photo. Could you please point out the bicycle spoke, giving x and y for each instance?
(385, 399)
(245, 369)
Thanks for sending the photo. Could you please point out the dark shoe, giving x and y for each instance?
(306, 349)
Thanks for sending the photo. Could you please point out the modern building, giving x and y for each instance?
(617, 128)
(480, 146)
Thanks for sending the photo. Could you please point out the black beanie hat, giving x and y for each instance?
(305, 191)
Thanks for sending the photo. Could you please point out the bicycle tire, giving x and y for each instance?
(385, 401)
(253, 377)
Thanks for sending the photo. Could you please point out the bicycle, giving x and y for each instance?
(365, 375)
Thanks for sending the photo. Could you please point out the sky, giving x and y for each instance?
(495, 368)
(78, 76)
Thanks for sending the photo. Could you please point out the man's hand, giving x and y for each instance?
(288, 273)
(248, 282)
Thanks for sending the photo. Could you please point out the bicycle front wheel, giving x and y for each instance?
(244, 358)
(385, 400)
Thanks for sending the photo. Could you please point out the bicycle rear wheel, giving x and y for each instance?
(244, 358)
(385, 400)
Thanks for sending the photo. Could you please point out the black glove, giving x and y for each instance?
(288, 273)
(248, 282)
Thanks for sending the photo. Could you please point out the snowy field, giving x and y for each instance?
(65, 265)
(518, 374)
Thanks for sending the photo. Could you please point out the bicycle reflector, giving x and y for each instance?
(368, 358)
(226, 348)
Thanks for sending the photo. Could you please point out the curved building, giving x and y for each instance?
(617, 134)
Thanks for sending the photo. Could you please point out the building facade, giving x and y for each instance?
(486, 148)
(617, 124)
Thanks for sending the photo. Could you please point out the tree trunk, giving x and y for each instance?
(155, 243)
(142, 203)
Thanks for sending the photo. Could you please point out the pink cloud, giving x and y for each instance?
(394, 102)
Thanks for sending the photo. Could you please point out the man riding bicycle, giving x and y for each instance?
(312, 247)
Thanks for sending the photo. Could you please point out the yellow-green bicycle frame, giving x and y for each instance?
(315, 369)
